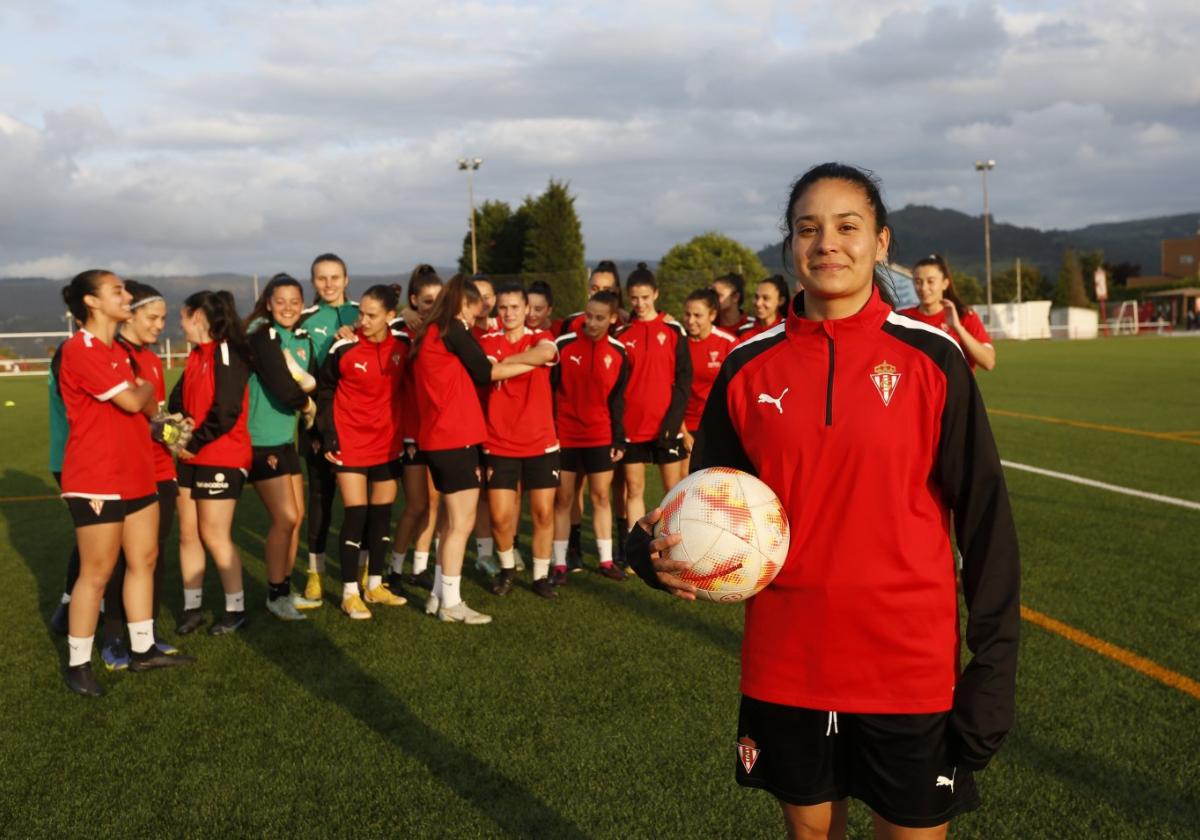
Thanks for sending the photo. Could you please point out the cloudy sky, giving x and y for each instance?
(248, 136)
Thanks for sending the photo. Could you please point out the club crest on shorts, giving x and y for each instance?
(96, 505)
(747, 752)
(886, 380)
(272, 462)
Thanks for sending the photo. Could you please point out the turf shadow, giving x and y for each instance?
(41, 533)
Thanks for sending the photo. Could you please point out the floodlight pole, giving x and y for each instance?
(982, 166)
(470, 166)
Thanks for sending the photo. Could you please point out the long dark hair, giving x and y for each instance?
(223, 321)
(641, 276)
(736, 282)
(609, 267)
(870, 184)
(780, 285)
(261, 312)
(423, 276)
(84, 283)
(950, 293)
(447, 307)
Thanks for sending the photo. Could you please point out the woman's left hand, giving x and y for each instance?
(952, 319)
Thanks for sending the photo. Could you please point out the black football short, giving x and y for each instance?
(211, 483)
(86, 512)
(387, 471)
(412, 456)
(455, 470)
(536, 473)
(586, 459)
(655, 452)
(898, 765)
(274, 462)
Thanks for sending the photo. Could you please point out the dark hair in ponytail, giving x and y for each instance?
(641, 276)
(223, 321)
(261, 313)
(950, 293)
(737, 283)
(82, 284)
(780, 285)
(706, 296)
(422, 277)
(447, 307)
(539, 287)
(388, 296)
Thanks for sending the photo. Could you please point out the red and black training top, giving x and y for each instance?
(660, 378)
(148, 366)
(360, 401)
(707, 356)
(589, 391)
(447, 370)
(213, 392)
(519, 411)
(872, 432)
(108, 453)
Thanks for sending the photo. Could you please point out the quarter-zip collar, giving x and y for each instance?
(869, 318)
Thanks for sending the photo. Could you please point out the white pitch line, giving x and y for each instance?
(1115, 488)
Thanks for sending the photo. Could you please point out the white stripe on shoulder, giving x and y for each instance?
(342, 342)
(310, 309)
(678, 327)
(750, 342)
(720, 333)
(566, 337)
(912, 323)
(353, 303)
(271, 332)
(616, 344)
(225, 353)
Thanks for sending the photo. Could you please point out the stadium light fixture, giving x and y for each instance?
(470, 165)
(983, 167)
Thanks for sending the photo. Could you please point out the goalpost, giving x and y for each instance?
(1126, 320)
(28, 353)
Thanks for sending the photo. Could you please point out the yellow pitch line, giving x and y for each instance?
(1118, 654)
(1098, 427)
(10, 499)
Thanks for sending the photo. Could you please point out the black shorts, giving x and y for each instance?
(535, 473)
(454, 470)
(586, 459)
(387, 471)
(86, 512)
(898, 765)
(655, 452)
(274, 462)
(211, 482)
(412, 456)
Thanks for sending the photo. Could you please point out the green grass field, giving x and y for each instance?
(611, 711)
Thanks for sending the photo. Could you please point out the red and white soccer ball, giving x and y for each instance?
(735, 533)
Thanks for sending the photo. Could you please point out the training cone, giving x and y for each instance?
(9, 404)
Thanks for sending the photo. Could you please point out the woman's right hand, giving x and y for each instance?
(644, 551)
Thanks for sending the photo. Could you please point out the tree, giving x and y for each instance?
(1088, 263)
(1069, 291)
(968, 287)
(554, 248)
(1033, 284)
(696, 263)
(499, 239)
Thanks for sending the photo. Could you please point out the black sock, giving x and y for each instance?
(353, 525)
(575, 540)
(276, 591)
(379, 537)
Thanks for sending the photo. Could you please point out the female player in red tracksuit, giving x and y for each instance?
(359, 414)
(660, 378)
(589, 390)
(448, 367)
(213, 392)
(521, 449)
(108, 475)
(942, 308)
(770, 307)
(731, 290)
(708, 346)
(871, 430)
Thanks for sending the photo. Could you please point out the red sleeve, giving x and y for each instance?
(974, 325)
(93, 368)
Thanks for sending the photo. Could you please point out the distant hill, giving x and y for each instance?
(920, 230)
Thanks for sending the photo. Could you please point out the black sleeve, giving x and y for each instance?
(229, 391)
(680, 389)
(461, 343)
(175, 398)
(56, 369)
(717, 441)
(972, 481)
(272, 370)
(327, 383)
(616, 405)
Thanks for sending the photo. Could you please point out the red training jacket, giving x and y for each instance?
(213, 392)
(589, 391)
(660, 378)
(150, 368)
(520, 411)
(359, 399)
(448, 369)
(707, 355)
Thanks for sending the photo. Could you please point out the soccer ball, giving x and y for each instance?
(735, 533)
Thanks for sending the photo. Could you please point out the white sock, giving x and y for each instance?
(66, 598)
(235, 601)
(604, 549)
(451, 596)
(191, 598)
(541, 568)
(484, 546)
(81, 649)
(349, 590)
(397, 563)
(437, 581)
(560, 552)
(507, 559)
(374, 582)
(141, 635)
(316, 563)
(420, 561)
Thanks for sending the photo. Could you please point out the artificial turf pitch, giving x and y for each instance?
(610, 712)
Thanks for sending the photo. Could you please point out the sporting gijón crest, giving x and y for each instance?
(886, 379)
(748, 752)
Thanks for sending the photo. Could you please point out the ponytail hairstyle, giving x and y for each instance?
(609, 267)
(950, 293)
(83, 284)
(706, 296)
(780, 285)
(608, 298)
(447, 307)
(422, 277)
(538, 287)
(142, 294)
(223, 322)
(641, 276)
(736, 282)
(260, 316)
(388, 296)
(865, 179)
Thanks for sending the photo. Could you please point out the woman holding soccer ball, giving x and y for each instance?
(871, 431)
